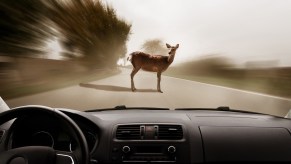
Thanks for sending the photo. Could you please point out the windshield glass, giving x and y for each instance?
(93, 54)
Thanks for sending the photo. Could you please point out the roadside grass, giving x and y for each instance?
(279, 87)
(57, 81)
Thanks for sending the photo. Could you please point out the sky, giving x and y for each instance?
(243, 30)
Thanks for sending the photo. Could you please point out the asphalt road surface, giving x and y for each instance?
(178, 93)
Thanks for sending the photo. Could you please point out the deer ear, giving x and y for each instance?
(168, 46)
(177, 46)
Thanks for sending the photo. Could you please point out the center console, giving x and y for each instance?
(154, 143)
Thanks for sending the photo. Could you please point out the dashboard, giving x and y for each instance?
(161, 136)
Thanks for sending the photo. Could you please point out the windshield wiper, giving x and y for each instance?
(123, 107)
(221, 108)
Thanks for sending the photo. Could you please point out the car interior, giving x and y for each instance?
(148, 81)
(39, 134)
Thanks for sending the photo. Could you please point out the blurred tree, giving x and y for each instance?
(213, 64)
(84, 27)
(154, 46)
(92, 28)
(22, 27)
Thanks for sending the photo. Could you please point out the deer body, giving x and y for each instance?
(152, 63)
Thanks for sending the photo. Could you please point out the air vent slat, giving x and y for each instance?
(128, 132)
(170, 132)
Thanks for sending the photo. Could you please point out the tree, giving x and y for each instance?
(22, 27)
(92, 28)
(154, 46)
(85, 26)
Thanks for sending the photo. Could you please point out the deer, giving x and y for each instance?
(151, 63)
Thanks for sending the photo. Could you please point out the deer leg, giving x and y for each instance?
(133, 72)
(159, 82)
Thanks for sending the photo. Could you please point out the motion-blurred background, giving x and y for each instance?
(48, 44)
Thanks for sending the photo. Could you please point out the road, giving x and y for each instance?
(178, 93)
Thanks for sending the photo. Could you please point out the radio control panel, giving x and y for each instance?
(145, 153)
(154, 143)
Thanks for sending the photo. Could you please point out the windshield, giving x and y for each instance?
(95, 54)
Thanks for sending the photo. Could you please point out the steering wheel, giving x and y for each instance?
(42, 154)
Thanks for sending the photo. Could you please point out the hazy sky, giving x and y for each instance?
(241, 29)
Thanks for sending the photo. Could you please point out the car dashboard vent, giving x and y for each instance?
(149, 132)
(128, 132)
(170, 132)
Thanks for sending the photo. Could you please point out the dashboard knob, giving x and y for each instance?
(171, 149)
(126, 149)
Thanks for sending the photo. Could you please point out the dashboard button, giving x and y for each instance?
(171, 149)
(126, 149)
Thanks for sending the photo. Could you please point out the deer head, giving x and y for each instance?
(172, 52)
(172, 49)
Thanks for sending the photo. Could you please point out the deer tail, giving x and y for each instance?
(129, 58)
